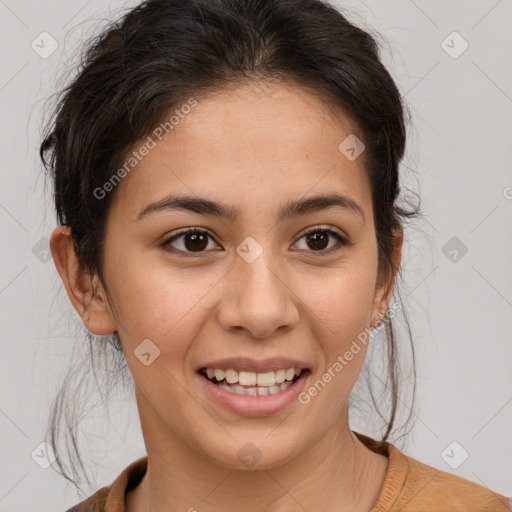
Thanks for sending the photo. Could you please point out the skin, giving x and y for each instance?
(253, 148)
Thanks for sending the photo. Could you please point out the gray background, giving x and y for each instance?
(459, 159)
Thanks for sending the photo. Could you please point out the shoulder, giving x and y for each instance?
(428, 488)
(112, 497)
(94, 503)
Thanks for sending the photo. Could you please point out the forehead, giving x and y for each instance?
(258, 112)
(263, 141)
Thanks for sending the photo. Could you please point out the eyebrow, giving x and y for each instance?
(289, 210)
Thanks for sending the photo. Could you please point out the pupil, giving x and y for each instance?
(316, 241)
(197, 243)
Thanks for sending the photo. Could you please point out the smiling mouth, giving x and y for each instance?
(252, 383)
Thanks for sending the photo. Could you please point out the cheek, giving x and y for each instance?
(340, 311)
(341, 300)
(159, 302)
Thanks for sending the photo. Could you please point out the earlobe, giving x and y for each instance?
(81, 287)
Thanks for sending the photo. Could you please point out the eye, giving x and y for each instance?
(195, 240)
(318, 238)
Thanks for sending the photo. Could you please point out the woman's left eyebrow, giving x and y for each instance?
(204, 206)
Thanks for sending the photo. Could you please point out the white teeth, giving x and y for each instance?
(244, 378)
(252, 383)
(247, 378)
(255, 390)
(280, 376)
(262, 391)
(266, 379)
(231, 376)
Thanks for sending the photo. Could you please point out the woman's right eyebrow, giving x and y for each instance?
(204, 206)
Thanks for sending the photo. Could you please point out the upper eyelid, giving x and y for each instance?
(303, 233)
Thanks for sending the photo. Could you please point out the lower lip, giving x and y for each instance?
(261, 405)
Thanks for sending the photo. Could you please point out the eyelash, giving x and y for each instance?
(342, 242)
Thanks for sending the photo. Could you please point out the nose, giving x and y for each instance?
(257, 298)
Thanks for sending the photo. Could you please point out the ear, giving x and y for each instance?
(385, 283)
(84, 290)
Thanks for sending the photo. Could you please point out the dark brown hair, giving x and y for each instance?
(162, 52)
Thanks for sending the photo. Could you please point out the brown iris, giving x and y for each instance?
(195, 241)
(320, 240)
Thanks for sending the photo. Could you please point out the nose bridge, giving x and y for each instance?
(256, 267)
(260, 300)
(258, 273)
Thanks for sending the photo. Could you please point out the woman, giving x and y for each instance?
(226, 178)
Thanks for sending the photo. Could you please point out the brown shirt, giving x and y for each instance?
(409, 486)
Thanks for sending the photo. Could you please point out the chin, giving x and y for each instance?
(253, 455)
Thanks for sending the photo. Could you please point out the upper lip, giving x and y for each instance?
(252, 365)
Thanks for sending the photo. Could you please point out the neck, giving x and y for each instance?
(178, 478)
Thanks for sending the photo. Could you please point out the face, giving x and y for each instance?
(252, 285)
